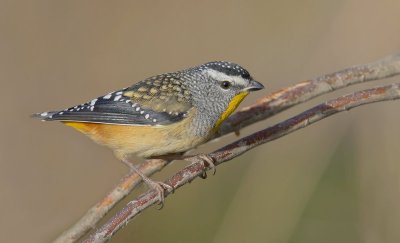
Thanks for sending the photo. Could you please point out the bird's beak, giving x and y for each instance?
(254, 86)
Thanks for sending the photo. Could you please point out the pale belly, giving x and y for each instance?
(143, 141)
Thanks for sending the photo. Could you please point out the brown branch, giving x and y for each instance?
(121, 190)
(306, 90)
(191, 172)
(264, 108)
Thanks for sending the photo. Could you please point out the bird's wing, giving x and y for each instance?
(159, 100)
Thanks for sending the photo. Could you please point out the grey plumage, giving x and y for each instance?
(166, 98)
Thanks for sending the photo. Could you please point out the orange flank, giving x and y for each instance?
(107, 134)
(145, 141)
(83, 127)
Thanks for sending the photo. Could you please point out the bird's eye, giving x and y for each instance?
(226, 84)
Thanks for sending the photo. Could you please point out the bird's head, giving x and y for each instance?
(218, 87)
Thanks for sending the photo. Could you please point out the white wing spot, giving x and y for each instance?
(92, 108)
(147, 116)
(154, 120)
(141, 112)
(93, 102)
(117, 97)
(44, 114)
(107, 96)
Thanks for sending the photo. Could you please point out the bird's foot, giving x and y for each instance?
(208, 162)
(158, 186)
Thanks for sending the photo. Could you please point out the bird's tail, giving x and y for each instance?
(44, 116)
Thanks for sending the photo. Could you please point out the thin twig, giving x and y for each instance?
(121, 190)
(228, 152)
(306, 90)
(262, 109)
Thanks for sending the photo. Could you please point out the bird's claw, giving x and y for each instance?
(158, 186)
(208, 162)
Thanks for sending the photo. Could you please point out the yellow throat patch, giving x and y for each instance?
(235, 102)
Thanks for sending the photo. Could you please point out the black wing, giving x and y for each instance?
(159, 100)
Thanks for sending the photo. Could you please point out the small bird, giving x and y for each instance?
(162, 116)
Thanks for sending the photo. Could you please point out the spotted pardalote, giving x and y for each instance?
(162, 115)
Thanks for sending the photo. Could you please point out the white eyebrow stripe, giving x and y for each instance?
(222, 76)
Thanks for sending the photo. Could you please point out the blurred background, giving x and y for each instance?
(335, 181)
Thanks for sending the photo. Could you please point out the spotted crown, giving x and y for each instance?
(228, 68)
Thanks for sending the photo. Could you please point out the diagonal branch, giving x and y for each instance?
(98, 211)
(306, 90)
(262, 109)
(228, 152)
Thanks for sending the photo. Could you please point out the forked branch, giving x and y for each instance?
(228, 152)
(262, 109)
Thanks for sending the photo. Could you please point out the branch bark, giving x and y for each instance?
(262, 109)
(98, 211)
(306, 90)
(228, 152)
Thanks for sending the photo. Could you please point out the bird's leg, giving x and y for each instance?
(158, 186)
(208, 162)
